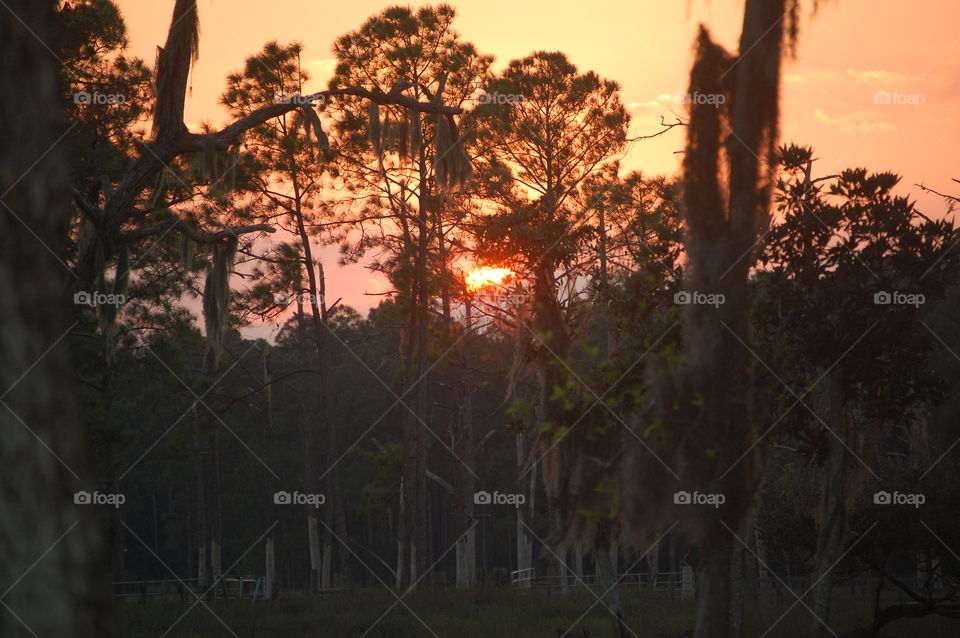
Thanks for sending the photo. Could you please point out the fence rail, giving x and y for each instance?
(683, 583)
(189, 588)
(667, 581)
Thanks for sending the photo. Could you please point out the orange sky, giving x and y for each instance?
(848, 52)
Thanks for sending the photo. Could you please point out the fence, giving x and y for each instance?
(683, 583)
(189, 588)
(680, 583)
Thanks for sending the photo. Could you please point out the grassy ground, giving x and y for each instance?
(481, 614)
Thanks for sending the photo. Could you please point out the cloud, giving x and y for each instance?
(858, 121)
(643, 105)
(323, 69)
(662, 100)
(847, 75)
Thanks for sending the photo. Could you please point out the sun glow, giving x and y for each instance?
(485, 277)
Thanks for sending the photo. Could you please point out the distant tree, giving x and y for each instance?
(846, 270)
(543, 129)
(403, 168)
(921, 538)
(137, 205)
(283, 170)
(108, 95)
(693, 422)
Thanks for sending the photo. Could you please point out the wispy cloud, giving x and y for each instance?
(857, 121)
(847, 75)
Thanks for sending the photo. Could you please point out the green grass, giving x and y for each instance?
(490, 613)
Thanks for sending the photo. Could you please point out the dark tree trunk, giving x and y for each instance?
(413, 537)
(464, 523)
(64, 594)
(727, 176)
(607, 566)
(833, 525)
(271, 484)
(319, 563)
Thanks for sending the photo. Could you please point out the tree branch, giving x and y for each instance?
(943, 195)
(666, 127)
(201, 238)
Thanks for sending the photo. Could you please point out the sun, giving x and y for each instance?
(485, 276)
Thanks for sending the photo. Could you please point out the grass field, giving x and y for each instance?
(492, 613)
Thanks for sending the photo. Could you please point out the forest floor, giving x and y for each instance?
(485, 613)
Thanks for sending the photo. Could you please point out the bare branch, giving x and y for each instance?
(666, 127)
(950, 198)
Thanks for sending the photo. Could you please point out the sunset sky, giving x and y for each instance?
(848, 52)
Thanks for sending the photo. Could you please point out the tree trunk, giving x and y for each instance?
(310, 428)
(310, 456)
(270, 481)
(216, 537)
(578, 563)
(202, 509)
(762, 574)
(465, 529)
(401, 570)
(65, 593)
(713, 585)
(467, 559)
(727, 170)
(608, 578)
(830, 537)
(414, 529)
(270, 569)
(736, 591)
(317, 569)
(524, 543)
(117, 539)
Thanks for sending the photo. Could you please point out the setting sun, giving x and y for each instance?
(486, 276)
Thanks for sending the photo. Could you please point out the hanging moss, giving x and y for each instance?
(209, 166)
(451, 164)
(187, 252)
(387, 133)
(312, 128)
(415, 133)
(403, 136)
(122, 281)
(107, 312)
(225, 182)
(373, 128)
(216, 300)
